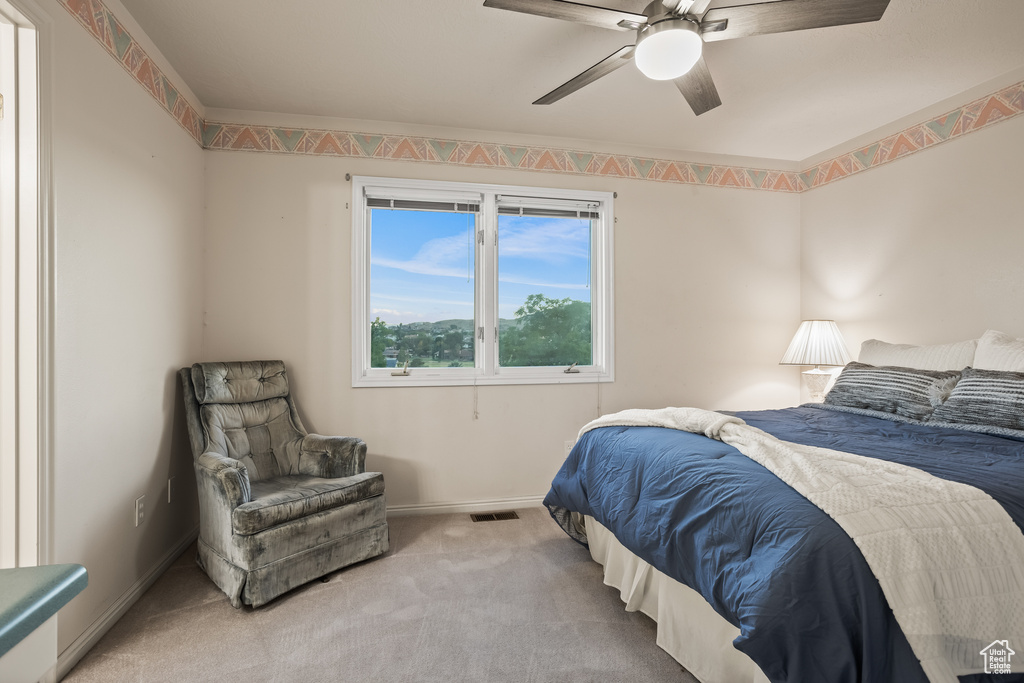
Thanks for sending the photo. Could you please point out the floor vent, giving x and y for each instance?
(494, 516)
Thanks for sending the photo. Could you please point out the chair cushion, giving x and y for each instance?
(240, 382)
(261, 435)
(280, 500)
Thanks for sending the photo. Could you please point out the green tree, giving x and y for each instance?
(422, 343)
(547, 332)
(453, 341)
(379, 338)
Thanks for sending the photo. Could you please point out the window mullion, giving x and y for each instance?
(488, 284)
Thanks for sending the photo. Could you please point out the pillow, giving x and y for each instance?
(906, 392)
(985, 397)
(999, 351)
(956, 356)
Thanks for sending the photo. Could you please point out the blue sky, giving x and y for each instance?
(421, 265)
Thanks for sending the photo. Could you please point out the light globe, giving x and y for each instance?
(668, 49)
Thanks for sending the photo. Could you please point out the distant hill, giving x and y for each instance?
(465, 325)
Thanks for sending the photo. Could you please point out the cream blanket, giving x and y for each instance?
(949, 559)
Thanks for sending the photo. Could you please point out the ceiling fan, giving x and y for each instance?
(670, 35)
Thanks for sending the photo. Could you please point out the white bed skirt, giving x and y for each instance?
(688, 628)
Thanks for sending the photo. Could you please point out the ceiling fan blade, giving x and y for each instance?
(607, 65)
(698, 88)
(602, 17)
(698, 8)
(788, 15)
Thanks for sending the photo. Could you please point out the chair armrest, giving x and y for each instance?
(332, 456)
(226, 476)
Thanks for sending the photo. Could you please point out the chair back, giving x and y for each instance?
(243, 410)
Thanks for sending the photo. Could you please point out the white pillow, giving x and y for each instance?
(955, 356)
(999, 351)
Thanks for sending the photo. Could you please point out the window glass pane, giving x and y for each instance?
(421, 288)
(544, 291)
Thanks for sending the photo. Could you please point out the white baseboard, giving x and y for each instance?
(78, 649)
(468, 506)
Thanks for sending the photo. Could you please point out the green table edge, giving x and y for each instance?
(31, 595)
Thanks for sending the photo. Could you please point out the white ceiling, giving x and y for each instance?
(455, 63)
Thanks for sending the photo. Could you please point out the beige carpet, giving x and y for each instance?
(453, 600)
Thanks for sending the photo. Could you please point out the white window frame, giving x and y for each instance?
(486, 369)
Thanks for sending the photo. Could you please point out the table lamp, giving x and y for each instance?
(817, 343)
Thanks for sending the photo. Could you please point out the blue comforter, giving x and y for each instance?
(808, 608)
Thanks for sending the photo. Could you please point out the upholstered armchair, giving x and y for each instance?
(277, 507)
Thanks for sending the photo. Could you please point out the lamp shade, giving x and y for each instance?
(817, 342)
(668, 49)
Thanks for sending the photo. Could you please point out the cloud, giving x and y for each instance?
(391, 313)
(550, 241)
(553, 240)
(443, 256)
(522, 280)
(393, 317)
(423, 300)
(395, 309)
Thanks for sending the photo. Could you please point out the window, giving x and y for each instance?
(458, 283)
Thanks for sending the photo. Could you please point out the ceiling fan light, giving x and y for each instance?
(668, 49)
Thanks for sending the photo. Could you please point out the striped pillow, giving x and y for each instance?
(889, 389)
(985, 397)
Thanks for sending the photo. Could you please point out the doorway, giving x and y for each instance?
(24, 291)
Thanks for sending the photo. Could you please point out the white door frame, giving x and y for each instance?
(26, 287)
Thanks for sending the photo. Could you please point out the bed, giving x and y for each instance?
(750, 580)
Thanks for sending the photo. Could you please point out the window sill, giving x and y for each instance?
(418, 377)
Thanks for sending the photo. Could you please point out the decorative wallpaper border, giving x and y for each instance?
(111, 34)
(980, 113)
(119, 44)
(462, 153)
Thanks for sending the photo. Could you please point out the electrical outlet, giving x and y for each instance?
(140, 510)
(568, 446)
(170, 490)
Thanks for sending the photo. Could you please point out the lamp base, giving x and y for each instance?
(817, 379)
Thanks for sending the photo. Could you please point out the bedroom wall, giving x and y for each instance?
(706, 300)
(924, 250)
(710, 284)
(128, 219)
